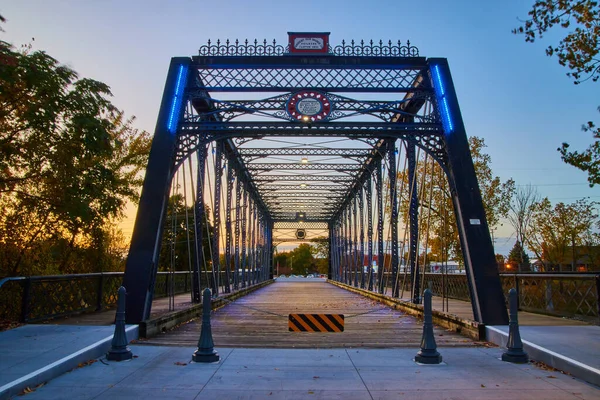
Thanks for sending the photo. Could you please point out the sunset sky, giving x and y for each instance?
(511, 94)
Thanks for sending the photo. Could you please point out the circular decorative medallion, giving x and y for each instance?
(308, 106)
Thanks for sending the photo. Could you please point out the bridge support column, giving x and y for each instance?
(391, 149)
(236, 235)
(370, 231)
(142, 262)
(380, 254)
(228, 233)
(216, 263)
(355, 261)
(361, 257)
(244, 238)
(413, 216)
(199, 224)
(482, 272)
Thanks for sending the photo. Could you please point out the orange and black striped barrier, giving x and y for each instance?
(316, 323)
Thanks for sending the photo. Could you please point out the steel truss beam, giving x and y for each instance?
(297, 225)
(344, 107)
(304, 178)
(303, 167)
(343, 129)
(279, 240)
(247, 153)
(266, 189)
(295, 202)
(303, 195)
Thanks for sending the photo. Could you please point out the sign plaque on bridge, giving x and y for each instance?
(308, 42)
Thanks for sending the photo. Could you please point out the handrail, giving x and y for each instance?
(11, 278)
(590, 275)
(76, 276)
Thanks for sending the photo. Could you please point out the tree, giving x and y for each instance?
(518, 259)
(320, 252)
(521, 211)
(556, 231)
(436, 201)
(578, 51)
(69, 162)
(178, 251)
(303, 259)
(500, 262)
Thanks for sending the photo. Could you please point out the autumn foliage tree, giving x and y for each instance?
(437, 208)
(578, 51)
(556, 231)
(69, 162)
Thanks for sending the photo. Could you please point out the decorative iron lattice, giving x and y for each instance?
(374, 49)
(561, 295)
(572, 296)
(245, 48)
(295, 225)
(343, 107)
(352, 48)
(290, 79)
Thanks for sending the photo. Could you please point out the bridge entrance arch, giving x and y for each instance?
(358, 104)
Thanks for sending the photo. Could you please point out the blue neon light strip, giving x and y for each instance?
(177, 99)
(442, 100)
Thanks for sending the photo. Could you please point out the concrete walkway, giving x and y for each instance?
(33, 354)
(168, 373)
(43, 355)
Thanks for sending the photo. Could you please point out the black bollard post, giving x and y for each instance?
(515, 352)
(119, 351)
(428, 353)
(205, 352)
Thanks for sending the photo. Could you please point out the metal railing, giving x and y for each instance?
(557, 294)
(40, 298)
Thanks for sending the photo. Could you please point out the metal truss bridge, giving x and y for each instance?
(255, 141)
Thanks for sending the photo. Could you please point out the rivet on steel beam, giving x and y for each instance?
(206, 352)
(515, 352)
(428, 353)
(119, 351)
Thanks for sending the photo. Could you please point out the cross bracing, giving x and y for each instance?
(250, 139)
(305, 167)
(313, 188)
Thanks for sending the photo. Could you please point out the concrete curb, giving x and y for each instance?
(548, 357)
(65, 364)
(465, 327)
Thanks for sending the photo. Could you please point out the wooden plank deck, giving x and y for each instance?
(260, 319)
